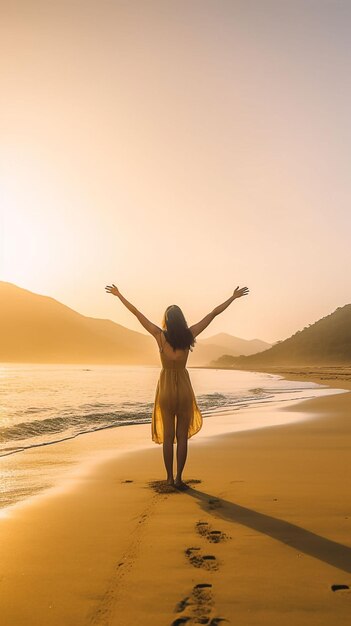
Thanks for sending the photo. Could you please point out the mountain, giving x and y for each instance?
(236, 345)
(39, 329)
(327, 341)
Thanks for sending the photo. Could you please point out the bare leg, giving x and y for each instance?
(182, 448)
(182, 452)
(168, 458)
(168, 442)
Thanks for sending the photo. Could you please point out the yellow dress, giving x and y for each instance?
(174, 394)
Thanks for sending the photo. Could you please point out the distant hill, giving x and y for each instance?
(213, 347)
(39, 329)
(236, 345)
(327, 341)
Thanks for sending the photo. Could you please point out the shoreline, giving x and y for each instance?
(315, 373)
(265, 525)
(71, 457)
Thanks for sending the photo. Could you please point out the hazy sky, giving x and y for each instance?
(179, 148)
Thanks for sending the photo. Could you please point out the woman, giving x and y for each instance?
(174, 393)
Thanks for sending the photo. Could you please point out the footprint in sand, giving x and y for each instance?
(197, 608)
(213, 536)
(341, 588)
(206, 561)
(181, 606)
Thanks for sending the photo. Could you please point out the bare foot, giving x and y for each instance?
(170, 481)
(180, 485)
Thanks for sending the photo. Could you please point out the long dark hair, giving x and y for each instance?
(176, 329)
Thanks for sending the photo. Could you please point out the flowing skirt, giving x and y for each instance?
(175, 397)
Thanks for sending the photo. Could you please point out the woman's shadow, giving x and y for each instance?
(305, 541)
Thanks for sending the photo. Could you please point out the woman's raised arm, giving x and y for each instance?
(196, 329)
(149, 326)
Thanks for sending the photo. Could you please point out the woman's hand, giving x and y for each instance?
(240, 292)
(112, 289)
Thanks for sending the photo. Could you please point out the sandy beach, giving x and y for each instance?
(261, 537)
